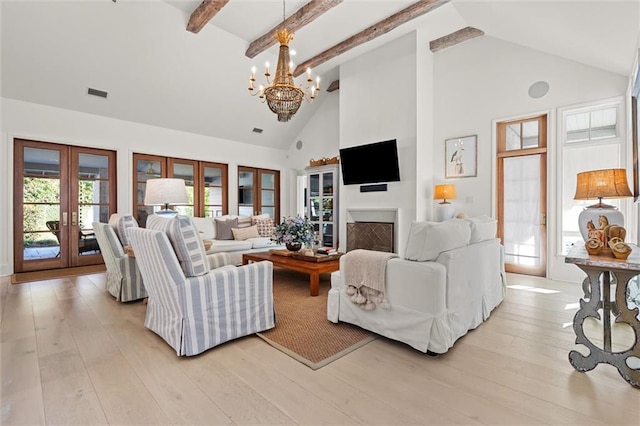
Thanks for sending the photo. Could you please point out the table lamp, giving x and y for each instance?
(599, 184)
(445, 208)
(165, 192)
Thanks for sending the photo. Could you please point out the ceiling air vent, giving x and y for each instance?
(96, 92)
(256, 130)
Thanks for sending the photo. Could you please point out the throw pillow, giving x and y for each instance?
(241, 234)
(266, 227)
(256, 218)
(122, 224)
(223, 228)
(428, 239)
(244, 222)
(482, 228)
(205, 226)
(188, 246)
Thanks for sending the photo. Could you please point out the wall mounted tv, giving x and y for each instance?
(371, 163)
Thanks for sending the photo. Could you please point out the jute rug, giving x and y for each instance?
(302, 330)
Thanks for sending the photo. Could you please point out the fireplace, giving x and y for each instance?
(370, 236)
(372, 229)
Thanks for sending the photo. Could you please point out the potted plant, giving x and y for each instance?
(294, 232)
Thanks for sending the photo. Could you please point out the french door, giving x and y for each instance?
(59, 191)
(206, 185)
(522, 194)
(258, 192)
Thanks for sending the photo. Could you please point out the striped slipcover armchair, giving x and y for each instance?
(191, 306)
(124, 281)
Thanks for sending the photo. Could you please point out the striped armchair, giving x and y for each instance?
(124, 281)
(192, 307)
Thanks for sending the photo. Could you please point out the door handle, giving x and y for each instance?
(543, 219)
(74, 218)
(64, 218)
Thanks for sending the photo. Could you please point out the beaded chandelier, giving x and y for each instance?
(282, 95)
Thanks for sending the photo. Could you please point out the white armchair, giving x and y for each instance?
(124, 281)
(192, 307)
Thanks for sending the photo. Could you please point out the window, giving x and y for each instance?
(206, 184)
(589, 142)
(592, 124)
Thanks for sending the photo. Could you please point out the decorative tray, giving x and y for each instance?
(317, 257)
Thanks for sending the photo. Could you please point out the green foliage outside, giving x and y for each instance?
(42, 204)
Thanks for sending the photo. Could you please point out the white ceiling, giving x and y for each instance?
(159, 74)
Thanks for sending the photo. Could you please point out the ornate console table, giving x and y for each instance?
(597, 295)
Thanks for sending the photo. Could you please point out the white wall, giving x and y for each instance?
(48, 124)
(377, 103)
(485, 80)
(319, 139)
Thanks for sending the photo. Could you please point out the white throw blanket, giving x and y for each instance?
(364, 275)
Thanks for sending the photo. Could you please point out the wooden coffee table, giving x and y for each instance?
(314, 269)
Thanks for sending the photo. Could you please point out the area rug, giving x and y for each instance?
(302, 330)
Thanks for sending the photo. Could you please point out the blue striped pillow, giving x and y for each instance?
(188, 246)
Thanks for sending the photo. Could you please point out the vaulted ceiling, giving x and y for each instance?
(158, 72)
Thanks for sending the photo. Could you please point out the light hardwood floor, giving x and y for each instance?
(72, 355)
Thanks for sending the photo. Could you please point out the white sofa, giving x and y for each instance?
(209, 228)
(450, 279)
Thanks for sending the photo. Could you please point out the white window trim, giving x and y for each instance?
(556, 266)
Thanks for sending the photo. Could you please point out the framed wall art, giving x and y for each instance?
(461, 157)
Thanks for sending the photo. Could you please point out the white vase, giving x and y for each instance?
(613, 215)
(445, 211)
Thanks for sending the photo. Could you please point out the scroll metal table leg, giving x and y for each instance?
(600, 297)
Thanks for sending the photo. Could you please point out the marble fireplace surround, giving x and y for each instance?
(376, 215)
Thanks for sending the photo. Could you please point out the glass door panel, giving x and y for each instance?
(214, 184)
(145, 167)
(523, 224)
(186, 171)
(268, 193)
(327, 183)
(245, 192)
(41, 208)
(93, 200)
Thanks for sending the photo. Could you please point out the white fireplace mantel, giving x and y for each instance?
(372, 215)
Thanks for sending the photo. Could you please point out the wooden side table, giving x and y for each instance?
(597, 295)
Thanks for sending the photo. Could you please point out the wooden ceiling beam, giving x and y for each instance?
(203, 14)
(454, 38)
(303, 16)
(376, 30)
(335, 85)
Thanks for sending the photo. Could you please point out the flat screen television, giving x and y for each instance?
(371, 163)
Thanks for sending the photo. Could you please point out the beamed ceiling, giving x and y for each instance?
(184, 64)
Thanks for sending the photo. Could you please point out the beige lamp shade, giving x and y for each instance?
(444, 192)
(445, 209)
(599, 184)
(165, 192)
